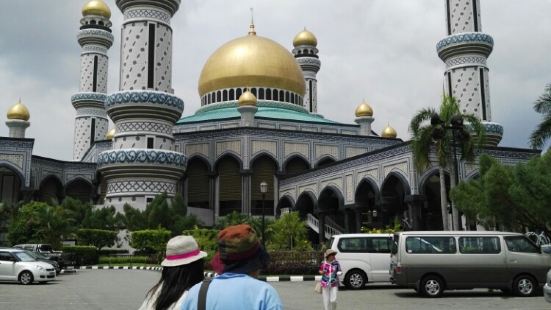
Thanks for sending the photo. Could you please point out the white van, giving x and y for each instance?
(363, 258)
(431, 262)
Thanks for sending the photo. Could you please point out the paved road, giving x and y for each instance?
(124, 289)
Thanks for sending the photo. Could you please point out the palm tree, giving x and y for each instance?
(543, 131)
(431, 136)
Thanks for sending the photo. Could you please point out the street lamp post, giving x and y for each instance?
(263, 190)
(439, 132)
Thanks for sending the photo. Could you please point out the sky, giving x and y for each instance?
(379, 50)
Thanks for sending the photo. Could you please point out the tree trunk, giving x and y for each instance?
(443, 199)
(455, 212)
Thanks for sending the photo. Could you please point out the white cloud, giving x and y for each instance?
(380, 50)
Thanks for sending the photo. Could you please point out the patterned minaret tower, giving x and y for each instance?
(142, 163)
(465, 51)
(95, 38)
(306, 54)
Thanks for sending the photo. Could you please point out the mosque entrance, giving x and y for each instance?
(197, 183)
(394, 209)
(229, 185)
(367, 212)
(264, 169)
(431, 214)
(10, 185)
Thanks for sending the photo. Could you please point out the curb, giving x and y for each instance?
(302, 278)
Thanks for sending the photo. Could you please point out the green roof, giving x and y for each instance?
(265, 111)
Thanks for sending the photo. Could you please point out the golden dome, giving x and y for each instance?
(19, 111)
(389, 132)
(305, 37)
(247, 98)
(110, 134)
(96, 7)
(251, 60)
(364, 109)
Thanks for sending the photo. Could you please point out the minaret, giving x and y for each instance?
(465, 51)
(18, 120)
(95, 38)
(364, 118)
(142, 163)
(306, 54)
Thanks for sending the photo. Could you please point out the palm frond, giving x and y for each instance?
(421, 116)
(478, 131)
(541, 134)
(543, 104)
(421, 147)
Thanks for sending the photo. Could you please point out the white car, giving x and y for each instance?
(363, 258)
(18, 266)
(547, 287)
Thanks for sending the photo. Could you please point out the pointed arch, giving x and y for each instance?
(228, 168)
(264, 168)
(50, 189)
(80, 189)
(197, 180)
(325, 161)
(295, 164)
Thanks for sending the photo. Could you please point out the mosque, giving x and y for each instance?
(258, 122)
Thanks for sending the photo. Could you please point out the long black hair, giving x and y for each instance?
(175, 281)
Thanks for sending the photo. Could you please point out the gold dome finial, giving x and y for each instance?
(110, 134)
(252, 30)
(364, 109)
(96, 7)
(305, 37)
(247, 99)
(19, 111)
(389, 132)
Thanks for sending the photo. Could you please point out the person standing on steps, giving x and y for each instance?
(330, 271)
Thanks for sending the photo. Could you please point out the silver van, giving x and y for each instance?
(431, 262)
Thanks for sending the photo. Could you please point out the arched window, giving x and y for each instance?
(253, 90)
(225, 95)
(261, 93)
(275, 95)
(238, 94)
(292, 98)
(281, 95)
(232, 94)
(92, 22)
(218, 96)
(268, 94)
(209, 99)
(100, 23)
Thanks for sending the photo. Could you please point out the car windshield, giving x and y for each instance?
(46, 248)
(24, 257)
(35, 255)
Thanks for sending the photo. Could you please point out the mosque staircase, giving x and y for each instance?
(329, 230)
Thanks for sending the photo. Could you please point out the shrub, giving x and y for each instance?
(97, 237)
(128, 259)
(206, 239)
(82, 255)
(151, 241)
(294, 262)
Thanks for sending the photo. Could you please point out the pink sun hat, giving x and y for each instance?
(182, 250)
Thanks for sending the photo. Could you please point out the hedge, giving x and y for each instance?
(294, 263)
(129, 259)
(81, 255)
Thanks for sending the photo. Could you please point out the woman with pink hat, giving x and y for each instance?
(183, 267)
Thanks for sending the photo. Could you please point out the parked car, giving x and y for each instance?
(431, 262)
(363, 257)
(546, 248)
(547, 287)
(41, 258)
(17, 265)
(44, 249)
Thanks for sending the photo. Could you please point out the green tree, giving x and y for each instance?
(38, 222)
(289, 233)
(134, 219)
(97, 237)
(102, 218)
(151, 241)
(509, 197)
(429, 138)
(542, 133)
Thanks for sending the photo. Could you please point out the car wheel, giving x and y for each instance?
(432, 286)
(525, 286)
(26, 278)
(355, 279)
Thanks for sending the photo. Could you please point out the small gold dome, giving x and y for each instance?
(96, 7)
(305, 37)
(364, 109)
(389, 132)
(110, 134)
(247, 98)
(19, 111)
(251, 60)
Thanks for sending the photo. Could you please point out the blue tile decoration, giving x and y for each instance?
(468, 37)
(151, 97)
(129, 156)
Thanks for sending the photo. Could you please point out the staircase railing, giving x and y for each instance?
(328, 230)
